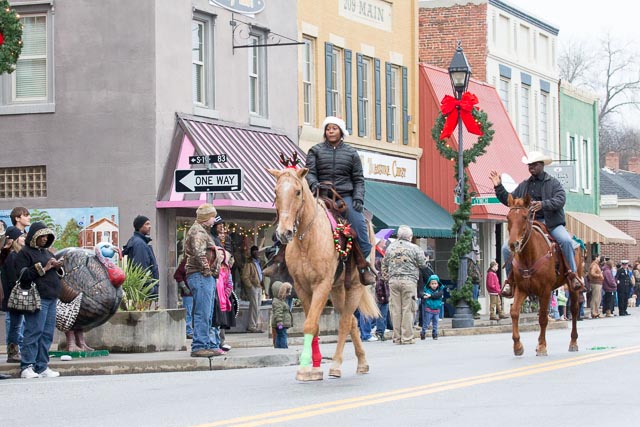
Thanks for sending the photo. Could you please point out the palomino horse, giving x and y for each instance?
(538, 268)
(312, 262)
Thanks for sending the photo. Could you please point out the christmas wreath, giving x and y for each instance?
(344, 230)
(476, 122)
(10, 37)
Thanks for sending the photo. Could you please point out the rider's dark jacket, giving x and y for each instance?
(340, 165)
(553, 198)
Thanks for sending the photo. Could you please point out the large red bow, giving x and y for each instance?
(1, 39)
(449, 107)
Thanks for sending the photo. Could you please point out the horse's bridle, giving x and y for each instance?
(296, 222)
(524, 238)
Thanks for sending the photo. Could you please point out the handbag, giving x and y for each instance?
(24, 300)
(67, 313)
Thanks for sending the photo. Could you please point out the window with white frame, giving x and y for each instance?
(257, 76)
(524, 115)
(543, 119)
(586, 166)
(338, 82)
(202, 62)
(308, 73)
(396, 104)
(503, 91)
(367, 87)
(572, 153)
(29, 89)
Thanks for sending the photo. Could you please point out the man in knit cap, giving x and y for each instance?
(202, 270)
(139, 249)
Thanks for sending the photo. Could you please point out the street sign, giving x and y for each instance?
(213, 158)
(487, 200)
(208, 180)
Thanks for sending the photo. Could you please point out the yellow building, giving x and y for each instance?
(360, 62)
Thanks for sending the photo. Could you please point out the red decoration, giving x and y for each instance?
(1, 39)
(449, 107)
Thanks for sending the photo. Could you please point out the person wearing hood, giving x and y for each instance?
(281, 318)
(36, 264)
(139, 251)
(431, 303)
(337, 162)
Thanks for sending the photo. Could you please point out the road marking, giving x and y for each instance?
(308, 411)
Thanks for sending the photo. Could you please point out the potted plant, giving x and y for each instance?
(137, 288)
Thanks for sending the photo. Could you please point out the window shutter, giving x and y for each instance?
(360, 77)
(347, 91)
(376, 68)
(328, 58)
(405, 108)
(387, 70)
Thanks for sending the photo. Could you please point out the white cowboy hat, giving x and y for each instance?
(536, 156)
(338, 122)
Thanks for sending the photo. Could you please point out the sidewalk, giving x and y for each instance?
(248, 351)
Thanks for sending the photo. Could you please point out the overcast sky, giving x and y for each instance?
(585, 19)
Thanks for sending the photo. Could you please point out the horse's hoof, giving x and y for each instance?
(518, 351)
(573, 347)
(364, 369)
(304, 374)
(316, 374)
(335, 373)
(541, 353)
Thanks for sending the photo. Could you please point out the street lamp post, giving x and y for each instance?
(459, 73)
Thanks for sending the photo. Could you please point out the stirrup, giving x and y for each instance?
(507, 290)
(367, 277)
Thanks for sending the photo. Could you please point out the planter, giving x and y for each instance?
(138, 332)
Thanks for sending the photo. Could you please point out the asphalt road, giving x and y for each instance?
(455, 381)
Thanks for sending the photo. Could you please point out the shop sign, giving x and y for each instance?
(208, 180)
(382, 167)
(566, 174)
(246, 7)
(375, 13)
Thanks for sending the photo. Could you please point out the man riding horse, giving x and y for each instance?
(336, 162)
(548, 199)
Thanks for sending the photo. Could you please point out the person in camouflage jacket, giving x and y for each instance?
(401, 268)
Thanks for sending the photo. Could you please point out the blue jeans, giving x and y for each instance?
(187, 303)
(14, 325)
(429, 317)
(202, 289)
(364, 324)
(562, 236)
(281, 338)
(38, 336)
(476, 291)
(381, 322)
(356, 219)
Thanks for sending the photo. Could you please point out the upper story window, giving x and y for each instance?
(525, 92)
(543, 118)
(523, 43)
(543, 49)
(308, 75)
(573, 157)
(202, 74)
(503, 33)
(257, 76)
(394, 106)
(30, 88)
(586, 165)
(503, 91)
(365, 96)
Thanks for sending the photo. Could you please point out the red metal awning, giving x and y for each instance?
(251, 150)
(504, 154)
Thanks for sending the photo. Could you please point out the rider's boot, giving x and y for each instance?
(575, 281)
(507, 288)
(367, 275)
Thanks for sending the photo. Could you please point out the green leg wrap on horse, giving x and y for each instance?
(305, 356)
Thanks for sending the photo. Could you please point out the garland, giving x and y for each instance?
(462, 215)
(345, 230)
(10, 37)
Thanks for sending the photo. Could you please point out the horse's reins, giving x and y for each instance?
(296, 222)
(523, 240)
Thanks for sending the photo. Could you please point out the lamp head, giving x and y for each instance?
(459, 72)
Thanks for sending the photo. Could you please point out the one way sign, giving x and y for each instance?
(208, 180)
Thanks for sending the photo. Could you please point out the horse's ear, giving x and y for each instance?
(527, 199)
(302, 172)
(275, 172)
(510, 200)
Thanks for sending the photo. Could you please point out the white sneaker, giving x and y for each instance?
(372, 338)
(29, 373)
(49, 373)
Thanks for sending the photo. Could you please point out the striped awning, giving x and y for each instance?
(593, 229)
(252, 151)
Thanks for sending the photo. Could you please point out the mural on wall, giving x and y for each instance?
(77, 227)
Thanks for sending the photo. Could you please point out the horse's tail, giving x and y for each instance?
(368, 305)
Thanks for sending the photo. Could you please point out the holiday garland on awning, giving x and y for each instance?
(475, 121)
(10, 37)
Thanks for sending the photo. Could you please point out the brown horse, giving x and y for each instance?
(538, 268)
(312, 261)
